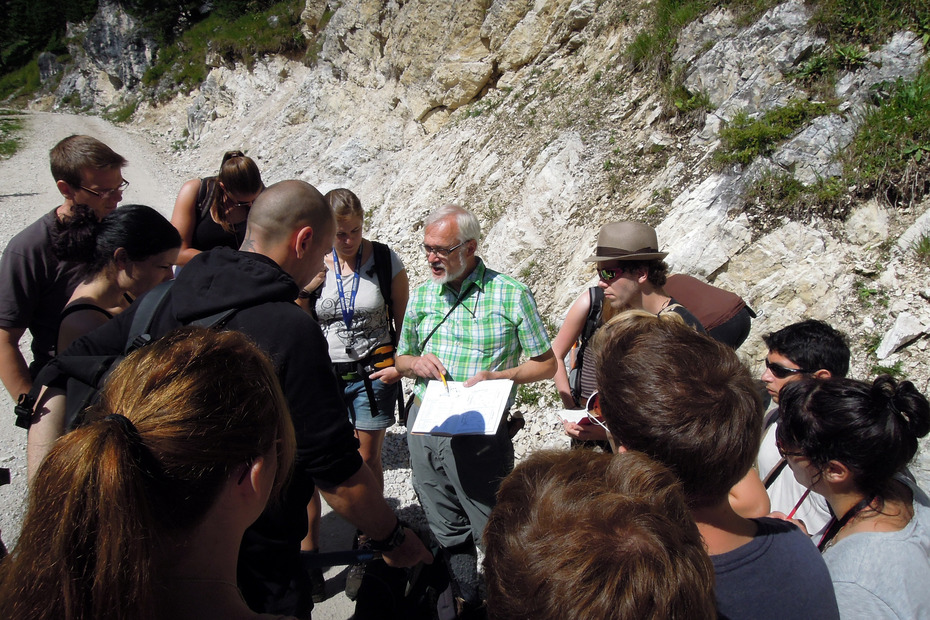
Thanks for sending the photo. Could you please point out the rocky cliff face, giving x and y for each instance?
(110, 53)
(523, 111)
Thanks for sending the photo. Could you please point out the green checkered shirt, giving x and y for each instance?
(494, 324)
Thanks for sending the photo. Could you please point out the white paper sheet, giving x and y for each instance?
(476, 410)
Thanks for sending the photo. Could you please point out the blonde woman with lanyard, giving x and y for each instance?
(361, 329)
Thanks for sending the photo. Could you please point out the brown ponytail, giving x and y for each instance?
(175, 420)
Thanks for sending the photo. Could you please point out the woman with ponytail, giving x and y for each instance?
(212, 212)
(140, 513)
(851, 442)
(122, 256)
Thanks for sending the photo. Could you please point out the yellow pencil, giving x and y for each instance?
(443, 377)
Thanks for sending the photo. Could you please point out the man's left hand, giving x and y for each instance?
(482, 375)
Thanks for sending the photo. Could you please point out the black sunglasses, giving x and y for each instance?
(609, 274)
(783, 372)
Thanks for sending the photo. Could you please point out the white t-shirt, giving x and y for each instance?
(785, 492)
(369, 324)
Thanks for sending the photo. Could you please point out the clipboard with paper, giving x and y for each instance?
(475, 410)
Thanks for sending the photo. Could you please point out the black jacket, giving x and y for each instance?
(327, 451)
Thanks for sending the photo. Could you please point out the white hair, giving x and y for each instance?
(468, 225)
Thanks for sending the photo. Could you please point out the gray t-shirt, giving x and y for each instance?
(369, 324)
(885, 574)
(36, 286)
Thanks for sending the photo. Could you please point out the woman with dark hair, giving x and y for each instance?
(851, 442)
(124, 255)
(212, 212)
(140, 512)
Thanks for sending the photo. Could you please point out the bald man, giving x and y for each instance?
(290, 227)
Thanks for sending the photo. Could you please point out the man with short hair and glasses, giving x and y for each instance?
(36, 286)
(809, 348)
(468, 323)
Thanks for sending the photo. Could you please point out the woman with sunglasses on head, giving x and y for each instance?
(851, 442)
(140, 512)
(212, 212)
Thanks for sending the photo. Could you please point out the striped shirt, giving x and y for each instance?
(494, 323)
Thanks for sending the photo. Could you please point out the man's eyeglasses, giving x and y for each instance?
(609, 274)
(442, 252)
(783, 372)
(106, 193)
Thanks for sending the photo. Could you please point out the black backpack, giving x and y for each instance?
(591, 323)
(82, 376)
(382, 255)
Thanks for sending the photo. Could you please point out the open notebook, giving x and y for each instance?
(476, 410)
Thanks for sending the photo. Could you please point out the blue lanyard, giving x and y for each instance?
(348, 310)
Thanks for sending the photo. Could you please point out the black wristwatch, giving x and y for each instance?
(394, 540)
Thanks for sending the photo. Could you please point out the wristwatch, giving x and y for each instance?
(394, 540)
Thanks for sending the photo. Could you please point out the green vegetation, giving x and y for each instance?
(818, 73)
(745, 138)
(921, 249)
(10, 126)
(869, 296)
(29, 27)
(894, 370)
(181, 65)
(780, 194)
(652, 49)
(890, 155)
(122, 114)
(22, 82)
(869, 22)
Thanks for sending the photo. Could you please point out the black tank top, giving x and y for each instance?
(207, 233)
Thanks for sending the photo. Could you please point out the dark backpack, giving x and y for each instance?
(591, 323)
(382, 256)
(82, 376)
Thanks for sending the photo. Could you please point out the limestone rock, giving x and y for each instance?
(906, 328)
(110, 54)
(920, 228)
(813, 154)
(698, 233)
(746, 71)
(49, 66)
(867, 224)
(693, 38)
(901, 57)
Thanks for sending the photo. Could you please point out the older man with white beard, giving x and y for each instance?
(469, 323)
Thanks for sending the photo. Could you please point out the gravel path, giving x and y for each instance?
(29, 192)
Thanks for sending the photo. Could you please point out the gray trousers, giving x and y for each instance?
(456, 479)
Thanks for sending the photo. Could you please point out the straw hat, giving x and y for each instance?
(626, 241)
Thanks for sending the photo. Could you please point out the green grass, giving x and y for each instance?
(777, 195)
(744, 138)
(10, 126)
(21, 83)
(181, 65)
(652, 49)
(869, 22)
(921, 248)
(123, 113)
(894, 370)
(890, 155)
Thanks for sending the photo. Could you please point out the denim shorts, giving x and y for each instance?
(357, 401)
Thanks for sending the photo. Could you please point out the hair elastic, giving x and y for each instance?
(126, 424)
